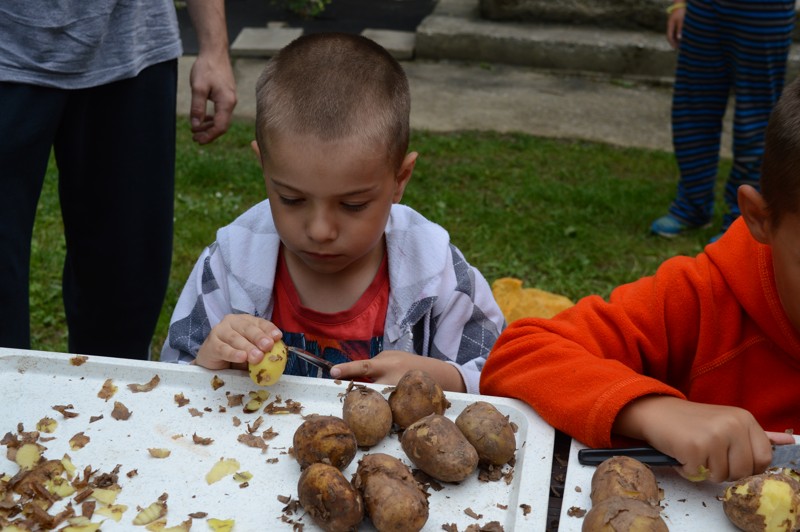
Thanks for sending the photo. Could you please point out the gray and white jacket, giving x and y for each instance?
(439, 305)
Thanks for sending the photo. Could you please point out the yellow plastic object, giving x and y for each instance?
(517, 302)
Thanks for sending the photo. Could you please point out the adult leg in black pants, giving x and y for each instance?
(28, 119)
(115, 151)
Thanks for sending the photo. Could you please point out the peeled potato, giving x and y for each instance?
(271, 367)
(766, 502)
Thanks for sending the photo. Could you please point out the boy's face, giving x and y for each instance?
(785, 241)
(331, 199)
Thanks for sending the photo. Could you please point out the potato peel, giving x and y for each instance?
(147, 387)
(223, 468)
(221, 525)
(113, 511)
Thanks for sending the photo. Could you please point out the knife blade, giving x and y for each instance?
(310, 357)
(782, 456)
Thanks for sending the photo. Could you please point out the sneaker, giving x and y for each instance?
(669, 227)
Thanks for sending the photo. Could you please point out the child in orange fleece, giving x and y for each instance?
(698, 360)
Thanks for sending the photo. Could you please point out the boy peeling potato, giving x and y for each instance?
(698, 360)
(330, 262)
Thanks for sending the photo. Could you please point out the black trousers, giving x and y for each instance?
(115, 150)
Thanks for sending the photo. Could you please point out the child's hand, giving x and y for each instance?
(713, 442)
(388, 367)
(237, 340)
(675, 27)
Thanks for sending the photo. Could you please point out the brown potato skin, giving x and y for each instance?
(623, 514)
(623, 476)
(325, 439)
(436, 446)
(741, 508)
(415, 396)
(394, 500)
(489, 432)
(331, 501)
(368, 414)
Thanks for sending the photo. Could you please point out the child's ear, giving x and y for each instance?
(755, 213)
(256, 149)
(403, 175)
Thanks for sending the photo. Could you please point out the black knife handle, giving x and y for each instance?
(646, 455)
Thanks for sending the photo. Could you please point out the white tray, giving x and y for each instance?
(32, 382)
(686, 505)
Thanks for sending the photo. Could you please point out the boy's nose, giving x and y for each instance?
(321, 227)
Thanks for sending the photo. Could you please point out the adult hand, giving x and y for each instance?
(237, 340)
(211, 78)
(388, 367)
(675, 27)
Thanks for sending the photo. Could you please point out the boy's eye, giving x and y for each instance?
(290, 201)
(355, 207)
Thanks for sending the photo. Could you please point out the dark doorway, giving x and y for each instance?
(349, 16)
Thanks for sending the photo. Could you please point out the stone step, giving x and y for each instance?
(547, 46)
(456, 30)
(624, 14)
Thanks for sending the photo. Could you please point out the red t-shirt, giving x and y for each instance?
(352, 334)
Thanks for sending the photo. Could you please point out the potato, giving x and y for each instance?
(331, 501)
(623, 514)
(394, 500)
(325, 439)
(368, 414)
(438, 448)
(415, 396)
(271, 367)
(489, 432)
(766, 502)
(623, 476)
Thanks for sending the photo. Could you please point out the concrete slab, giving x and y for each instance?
(550, 46)
(263, 42)
(398, 43)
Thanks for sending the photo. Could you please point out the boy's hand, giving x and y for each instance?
(713, 442)
(675, 27)
(388, 367)
(237, 340)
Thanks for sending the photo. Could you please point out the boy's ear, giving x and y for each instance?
(254, 145)
(403, 175)
(755, 213)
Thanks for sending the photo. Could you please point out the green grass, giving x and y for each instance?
(570, 217)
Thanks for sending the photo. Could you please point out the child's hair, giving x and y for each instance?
(780, 167)
(334, 86)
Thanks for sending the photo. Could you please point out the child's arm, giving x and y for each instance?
(388, 367)
(237, 340)
(712, 442)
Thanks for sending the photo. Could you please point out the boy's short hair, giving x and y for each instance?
(334, 86)
(780, 166)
